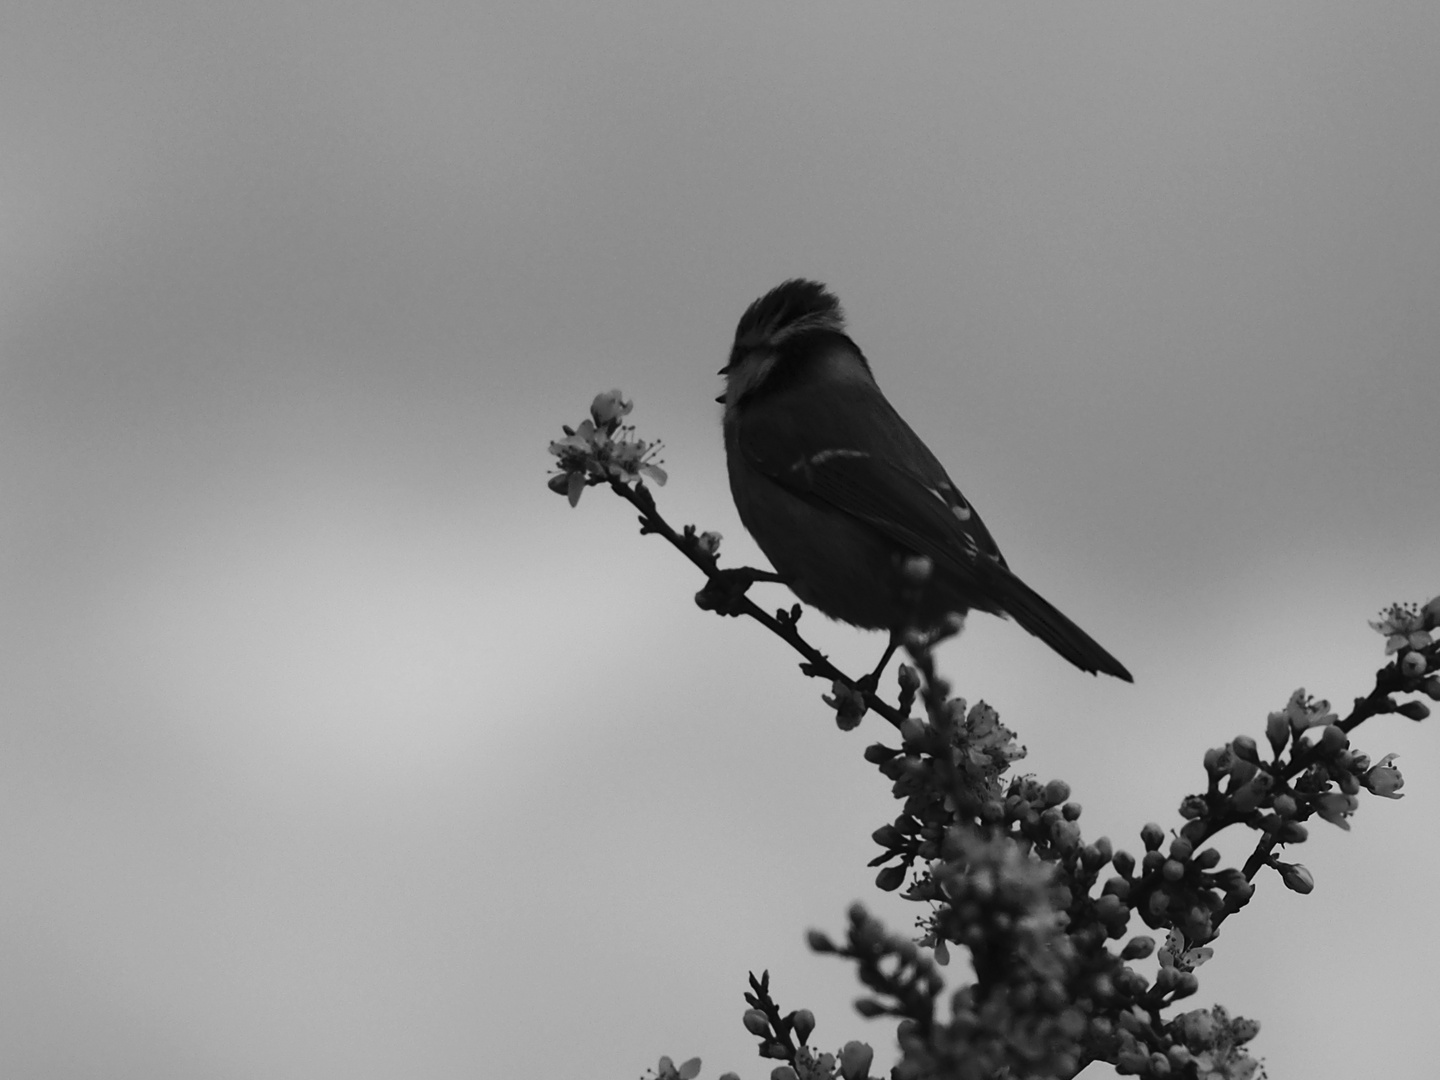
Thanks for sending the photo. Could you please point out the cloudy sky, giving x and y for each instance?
(332, 744)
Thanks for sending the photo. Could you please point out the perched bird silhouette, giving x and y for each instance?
(842, 495)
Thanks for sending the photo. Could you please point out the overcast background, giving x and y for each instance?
(334, 745)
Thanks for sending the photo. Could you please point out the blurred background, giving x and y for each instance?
(332, 744)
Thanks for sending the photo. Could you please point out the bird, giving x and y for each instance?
(854, 512)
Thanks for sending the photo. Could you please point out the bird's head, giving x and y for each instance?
(777, 333)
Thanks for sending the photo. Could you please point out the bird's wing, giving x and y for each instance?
(843, 455)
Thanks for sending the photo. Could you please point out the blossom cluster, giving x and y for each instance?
(602, 450)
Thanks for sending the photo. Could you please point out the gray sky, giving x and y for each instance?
(334, 745)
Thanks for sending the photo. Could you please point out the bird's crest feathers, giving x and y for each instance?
(791, 308)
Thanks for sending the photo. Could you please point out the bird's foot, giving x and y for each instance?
(870, 683)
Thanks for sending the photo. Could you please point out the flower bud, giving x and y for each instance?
(890, 878)
(1245, 748)
(1138, 948)
(1292, 832)
(1414, 710)
(1193, 806)
(804, 1023)
(1332, 740)
(756, 1022)
(855, 1058)
(1123, 862)
(1152, 836)
(879, 753)
(1116, 886)
(1217, 760)
(1065, 836)
(1207, 859)
(1241, 771)
(1430, 614)
(1247, 797)
(1239, 896)
(1412, 665)
(887, 836)
(1197, 1027)
(1277, 730)
(1431, 686)
(1056, 792)
(820, 941)
(1297, 878)
(608, 408)
(1109, 907)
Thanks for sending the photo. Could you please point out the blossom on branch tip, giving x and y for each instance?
(608, 408)
(601, 450)
(1403, 626)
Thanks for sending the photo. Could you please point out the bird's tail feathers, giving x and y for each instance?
(1045, 621)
